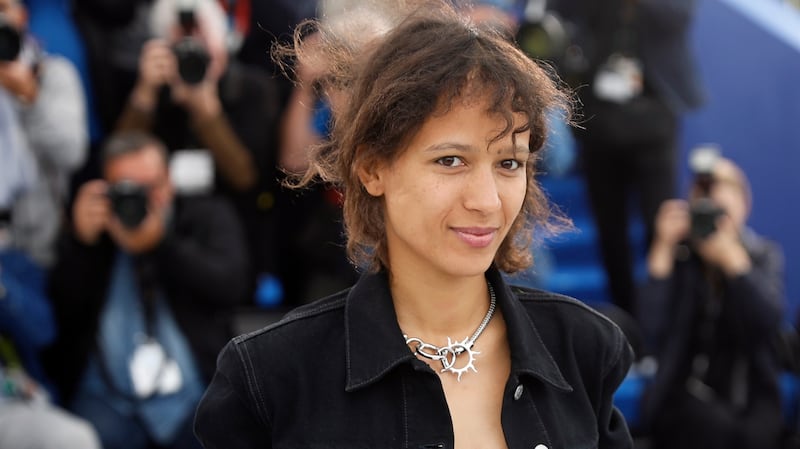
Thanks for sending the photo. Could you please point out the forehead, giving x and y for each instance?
(468, 121)
(726, 174)
(145, 163)
(481, 102)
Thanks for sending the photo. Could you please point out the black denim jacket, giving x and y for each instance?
(337, 374)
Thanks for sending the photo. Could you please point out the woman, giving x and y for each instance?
(434, 152)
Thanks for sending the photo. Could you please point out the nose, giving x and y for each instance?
(481, 191)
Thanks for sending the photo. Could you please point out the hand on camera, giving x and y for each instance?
(672, 223)
(93, 214)
(157, 67)
(144, 237)
(19, 79)
(723, 248)
(201, 100)
(91, 211)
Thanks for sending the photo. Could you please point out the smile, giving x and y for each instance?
(476, 237)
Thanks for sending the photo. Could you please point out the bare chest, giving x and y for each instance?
(475, 405)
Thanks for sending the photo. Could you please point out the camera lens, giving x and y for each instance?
(704, 213)
(129, 203)
(192, 59)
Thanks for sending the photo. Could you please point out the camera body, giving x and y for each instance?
(128, 202)
(192, 56)
(703, 211)
(10, 41)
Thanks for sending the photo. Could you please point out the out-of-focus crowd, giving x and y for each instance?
(143, 149)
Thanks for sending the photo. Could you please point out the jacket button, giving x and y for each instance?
(540, 446)
(517, 395)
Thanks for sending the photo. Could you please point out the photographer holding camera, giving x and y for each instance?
(179, 73)
(710, 309)
(43, 139)
(43, 134)
(143, 292)
(200, 101)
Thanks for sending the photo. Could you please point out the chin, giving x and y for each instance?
(468, 268)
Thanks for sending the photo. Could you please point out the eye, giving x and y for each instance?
(512, 164)
(450, 161)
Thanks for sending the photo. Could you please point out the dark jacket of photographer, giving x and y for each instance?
(662, 42)
(337, 374)
(699, 312)
(200, 265)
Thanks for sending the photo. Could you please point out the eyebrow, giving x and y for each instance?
(450, 146)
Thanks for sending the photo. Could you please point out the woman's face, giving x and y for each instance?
(451, 196)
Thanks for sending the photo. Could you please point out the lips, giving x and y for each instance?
(476, 237)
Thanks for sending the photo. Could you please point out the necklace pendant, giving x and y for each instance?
(450, 354)
(447, 355)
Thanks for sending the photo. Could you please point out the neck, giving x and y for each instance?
(437, 310)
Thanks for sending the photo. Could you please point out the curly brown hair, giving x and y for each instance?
(395, 81)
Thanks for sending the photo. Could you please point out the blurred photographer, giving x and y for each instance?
(205, 105)
(143, 292)
(710, 308)
(43, 136)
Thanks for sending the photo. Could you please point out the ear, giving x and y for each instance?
(372, 177)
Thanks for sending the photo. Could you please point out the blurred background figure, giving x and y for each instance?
(43, 139)
(315, 264)
(632, 65)
(43, 135)
(107, 37)
(711, 307)
(215, 115)
(143, 289)
(28, 416)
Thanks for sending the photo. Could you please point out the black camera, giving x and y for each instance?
(703, 211)
(128, 202)
(192, 56)
(10, 40)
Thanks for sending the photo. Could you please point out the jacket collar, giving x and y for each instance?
(375, 343)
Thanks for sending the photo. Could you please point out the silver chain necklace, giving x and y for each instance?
(447, 355)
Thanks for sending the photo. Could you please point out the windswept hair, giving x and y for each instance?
(427, 63)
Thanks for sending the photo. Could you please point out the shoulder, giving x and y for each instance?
(205, 216)
(566, 310)
(761, 247)
(202, 205)
(270, 364)
(327, 310)
(571, 328)
(58, 69)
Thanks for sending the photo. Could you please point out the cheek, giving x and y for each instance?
(161, 196)
(733, 205)
(418, 200)
(514, 197)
